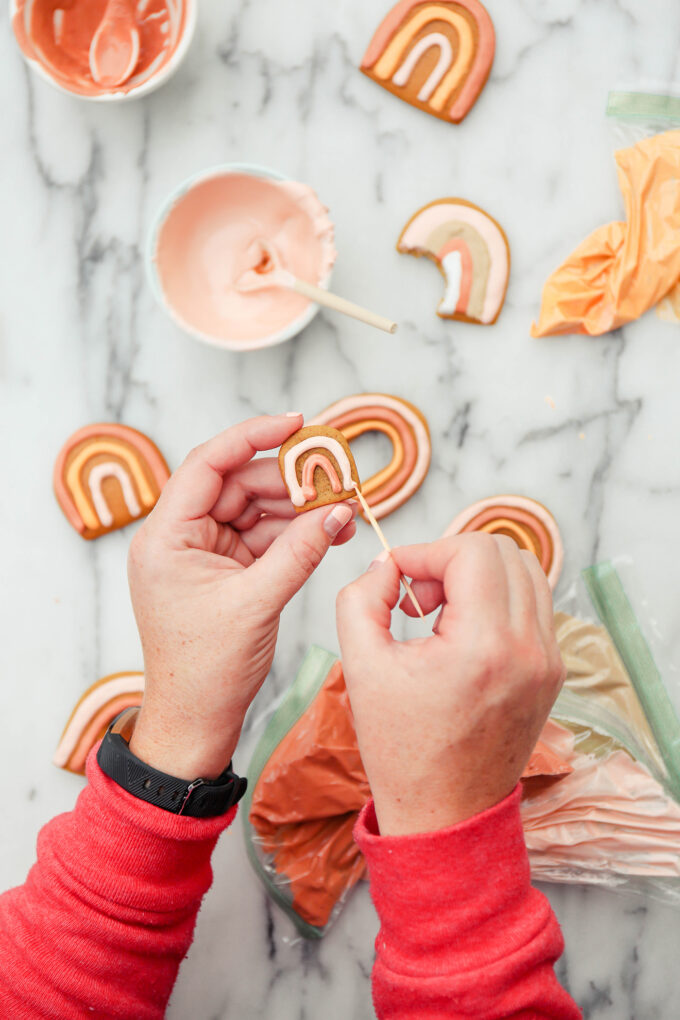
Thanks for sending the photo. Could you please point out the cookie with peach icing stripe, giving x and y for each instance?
(318, 468)
(106, 476)
(435, 55)
(92, 716)
(524, 520)
(471, 252)
(407, 430)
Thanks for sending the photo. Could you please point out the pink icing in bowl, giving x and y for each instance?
(55, 36)
(206, 237)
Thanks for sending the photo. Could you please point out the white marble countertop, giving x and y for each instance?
(82, 340)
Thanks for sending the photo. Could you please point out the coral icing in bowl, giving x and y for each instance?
(208, 235)
(55, 38)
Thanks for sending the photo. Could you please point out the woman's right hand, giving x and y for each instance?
(447, 723)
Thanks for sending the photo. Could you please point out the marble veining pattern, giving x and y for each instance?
(589, 427)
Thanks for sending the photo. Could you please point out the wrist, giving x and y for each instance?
(433, 806)
(181, 749)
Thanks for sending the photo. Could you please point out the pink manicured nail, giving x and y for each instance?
(337, 519)
(293, 414)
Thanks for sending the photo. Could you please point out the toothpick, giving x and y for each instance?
(386, 546)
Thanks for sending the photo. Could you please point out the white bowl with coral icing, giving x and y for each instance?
(55, 35)
(207, 235)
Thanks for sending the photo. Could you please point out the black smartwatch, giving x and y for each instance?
(201, 798)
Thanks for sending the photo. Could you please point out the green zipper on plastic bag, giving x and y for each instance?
(632, 105)
(303, 690)
(615, 611)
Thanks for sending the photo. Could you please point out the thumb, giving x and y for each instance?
(364, 610)
(294, 556)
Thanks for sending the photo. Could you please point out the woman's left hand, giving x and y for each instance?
(210, 571)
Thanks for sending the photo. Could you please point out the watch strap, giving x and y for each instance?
(199, 798)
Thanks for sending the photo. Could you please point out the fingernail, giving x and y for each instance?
(379, 560)
(337, 519)
(293, 414)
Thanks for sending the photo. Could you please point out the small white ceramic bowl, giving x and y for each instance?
(145, 87)
(291, 330)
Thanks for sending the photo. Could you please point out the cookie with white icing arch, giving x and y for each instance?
(318, 468)
(406, 428)
(472, 253)
(92, 715)
(524, 520)
(107, 475)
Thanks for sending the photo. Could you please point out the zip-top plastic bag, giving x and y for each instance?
(599, 795)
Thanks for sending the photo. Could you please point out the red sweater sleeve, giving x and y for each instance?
(463, 934)
(107, 913)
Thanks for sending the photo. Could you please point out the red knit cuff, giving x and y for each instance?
(125, 850)
(466, 876)
(367, 831)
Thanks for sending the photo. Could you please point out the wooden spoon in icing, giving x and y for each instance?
(114, 50)
(270, 273)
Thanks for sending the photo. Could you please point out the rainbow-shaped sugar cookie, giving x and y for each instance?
(435, 56)
(93, 714)
(107, 476)
(531, 526)
(471, 251)
(317, 467)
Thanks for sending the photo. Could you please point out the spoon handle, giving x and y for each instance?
(324, 297)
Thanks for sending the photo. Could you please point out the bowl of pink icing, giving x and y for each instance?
(208, 235)
(56, 37)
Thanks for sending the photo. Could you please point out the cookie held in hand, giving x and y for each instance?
(406, 428)
(318, 468)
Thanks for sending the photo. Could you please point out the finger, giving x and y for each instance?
(230, 545)
(471, 571)
(364, 611)
(252, 513)
(196, 485)
(296, 553)
(543, 595)
(522, 594)
(258, 479)
(429, 594)
(258, 538)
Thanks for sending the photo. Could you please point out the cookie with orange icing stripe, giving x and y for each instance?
(435, 55)
(405, 427)
(93, 714)
(318, 468)
(529, 523)
(106, 476)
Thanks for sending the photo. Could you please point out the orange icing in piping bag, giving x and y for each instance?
(622, 268)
